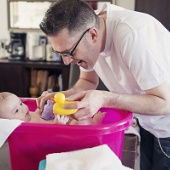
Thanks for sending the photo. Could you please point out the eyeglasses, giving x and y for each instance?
(70, 53)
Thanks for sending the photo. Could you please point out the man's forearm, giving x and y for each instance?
(141, 104)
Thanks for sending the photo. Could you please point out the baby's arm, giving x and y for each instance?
(36, 118)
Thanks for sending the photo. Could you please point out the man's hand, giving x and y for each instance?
(88, 103)
(41, 101)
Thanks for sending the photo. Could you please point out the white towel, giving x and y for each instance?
(134, 129)
(6, 128)
(96, 158)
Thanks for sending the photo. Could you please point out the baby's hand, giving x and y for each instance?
(61, 119)
(95, 120)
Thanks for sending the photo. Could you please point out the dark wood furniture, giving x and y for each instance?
(130, 150)
(15, 76)
(157, 8)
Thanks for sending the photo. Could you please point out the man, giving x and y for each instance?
(130, 52)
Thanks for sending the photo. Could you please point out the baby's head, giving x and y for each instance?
(11, 107)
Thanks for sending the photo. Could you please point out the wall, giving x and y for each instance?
(4, 34)
(129, 4)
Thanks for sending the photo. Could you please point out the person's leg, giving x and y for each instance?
(146, 149)
(161, 154)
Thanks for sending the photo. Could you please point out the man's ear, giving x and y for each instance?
(93, 34)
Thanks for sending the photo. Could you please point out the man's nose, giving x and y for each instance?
(67, 60)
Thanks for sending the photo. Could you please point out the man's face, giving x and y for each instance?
(13, 108)
(80, 50)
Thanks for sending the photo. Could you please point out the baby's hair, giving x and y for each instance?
(4, 95)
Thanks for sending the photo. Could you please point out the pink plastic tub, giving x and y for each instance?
(31, 142)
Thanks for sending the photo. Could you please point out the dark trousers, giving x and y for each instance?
(152, 157)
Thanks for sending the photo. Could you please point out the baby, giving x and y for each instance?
(11, 107)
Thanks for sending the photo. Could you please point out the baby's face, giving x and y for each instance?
(13, 108)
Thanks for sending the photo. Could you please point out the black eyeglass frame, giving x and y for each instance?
(70, 53)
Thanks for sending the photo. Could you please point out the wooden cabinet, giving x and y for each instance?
(157, 8)
(15, 76)
(11, 78)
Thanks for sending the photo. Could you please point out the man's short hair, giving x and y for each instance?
(74, 15)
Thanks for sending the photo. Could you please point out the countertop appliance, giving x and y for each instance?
(51, 56)
(36, 45)
(16, 48)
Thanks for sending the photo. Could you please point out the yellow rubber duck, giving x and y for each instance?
(59, 100)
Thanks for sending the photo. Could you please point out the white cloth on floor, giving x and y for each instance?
(134, 129)
(7, 127)
(96, 158)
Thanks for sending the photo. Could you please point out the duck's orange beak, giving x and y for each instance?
(52, 99)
